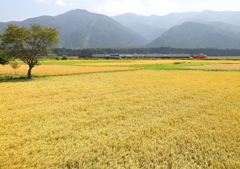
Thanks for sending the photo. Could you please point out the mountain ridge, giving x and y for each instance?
(77, 20)
(197, 35)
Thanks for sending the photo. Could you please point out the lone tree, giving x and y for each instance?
(26, 43)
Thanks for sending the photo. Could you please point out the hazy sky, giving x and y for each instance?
(17, 10)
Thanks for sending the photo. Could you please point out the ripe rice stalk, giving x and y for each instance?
(132, 119)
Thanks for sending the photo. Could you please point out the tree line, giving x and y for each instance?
(163, 50)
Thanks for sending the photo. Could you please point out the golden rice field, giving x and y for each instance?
(218, 66)
(91, 66)
(60, 69)
(132, 119)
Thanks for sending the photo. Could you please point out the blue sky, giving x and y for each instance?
(17, 10)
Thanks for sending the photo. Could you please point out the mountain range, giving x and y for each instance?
(198, 35)
(82, 29)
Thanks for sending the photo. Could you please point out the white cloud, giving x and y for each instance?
(117, 7)
(161, 7)
(202, 6)
(43, 0)
(140, 7)
(40, 0)
(61, 3)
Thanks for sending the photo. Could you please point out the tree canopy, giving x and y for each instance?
(3, 57)
(3, 61)
(27, 43)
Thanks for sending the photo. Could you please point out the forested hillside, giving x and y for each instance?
(83, 29)
(198, 35)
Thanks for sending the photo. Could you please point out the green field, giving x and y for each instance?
(179, 65)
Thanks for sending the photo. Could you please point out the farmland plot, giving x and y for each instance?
(60, 69)
(136, 119)
(219, 66)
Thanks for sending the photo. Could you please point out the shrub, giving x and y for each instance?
(64, 58)
(15, 65)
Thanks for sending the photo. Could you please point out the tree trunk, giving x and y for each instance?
(30, 72)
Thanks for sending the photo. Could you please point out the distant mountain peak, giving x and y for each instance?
(197, 35)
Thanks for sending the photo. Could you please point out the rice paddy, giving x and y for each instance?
(218, 66)
(60, 69)
(142, 118)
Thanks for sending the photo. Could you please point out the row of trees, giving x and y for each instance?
(26, 43)
(163, 50)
